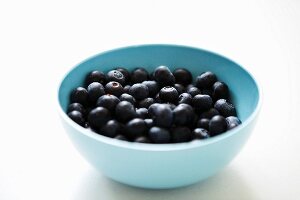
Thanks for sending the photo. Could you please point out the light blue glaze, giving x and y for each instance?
(164, 165)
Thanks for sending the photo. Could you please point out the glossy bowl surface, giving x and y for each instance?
(163, 165)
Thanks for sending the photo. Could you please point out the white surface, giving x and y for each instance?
(41, 40)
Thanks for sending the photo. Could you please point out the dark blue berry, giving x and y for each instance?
(125, 111)
(161, 114)
(98, 117)
(142, 113)
(126, 88)
(171, 105)
(76, 106)
(157, 98)
(139, 75)
(136, 127)
(185, 98)
(110, 129)
(139, 91)
(181, 134)
(164, 76)
(206, 80)
(180, 89)
(142, 139)
(145, 103)
(217, 125)
(231, 126)
(225, 108)
(182, 76)
(207, 92)
(202, 102)
(117, 76)
(95, 76)
(79, 95)
(183, 114)
(108, 101)
(127, 97)
(193, 91)
(168, 94)
(209, 113)
(125, 73)
(200, 133)
(114, 88)
(95, 90)
(203, 123)
(121, 137)
(159, 135)
(77, 117)
(232, 122)
(149, 122)
(152, 87)
(220, 91)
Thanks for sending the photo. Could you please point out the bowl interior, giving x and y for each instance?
(243, 88)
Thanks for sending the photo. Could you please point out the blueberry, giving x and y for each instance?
(98, 117)
(157, 99)
(181, 134)
(125, 73)
(142, 113)
(209, 113)
(220, 91)
(162, 115)
(185, 98)
(127, 97)
(202, 102)
(149, 122)
(183, 114)
(152, 87)
(79, 95)
(77, 117)
(159, 135)
(171, 105)
(232, 122)
(183, 76)
(114, 88)
(233, 119)
(168, 94)
(225, 108)
(136, 127)
(203, 123)
(139, 75)
(125, 111)
(217, 125)
(193, 91)
(231, 126)
(206, 80)
(180, 89)
(142, 139)
(117, 76)
(145, 103)
(121, 137)
(110, 129)
(95, 76)
(188, 87)
(95, 90)
(164, 76)
(126, 88)
(207, 92)
(200, 133)
(139, 91)
(108, 101)
(76, 106)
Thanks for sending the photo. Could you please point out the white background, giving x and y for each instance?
(41, 40)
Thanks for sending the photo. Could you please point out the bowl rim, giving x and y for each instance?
(159, 147)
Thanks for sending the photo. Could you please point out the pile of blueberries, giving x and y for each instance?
(161, 107)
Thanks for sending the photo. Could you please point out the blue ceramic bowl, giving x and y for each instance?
(163, 165)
